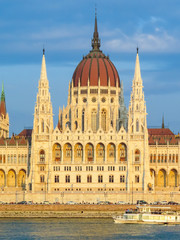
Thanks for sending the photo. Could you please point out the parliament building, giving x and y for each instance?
(98, 151)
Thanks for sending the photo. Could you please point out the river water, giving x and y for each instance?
(72, 229)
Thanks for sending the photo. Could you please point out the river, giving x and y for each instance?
(80, 229)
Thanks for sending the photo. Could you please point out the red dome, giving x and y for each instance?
(94, 66)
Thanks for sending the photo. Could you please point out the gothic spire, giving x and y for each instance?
(43, 68)
(137, 73)
(3, 103)
(163, 121)
(95, 41)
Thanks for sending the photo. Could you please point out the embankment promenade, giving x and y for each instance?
(67, 211)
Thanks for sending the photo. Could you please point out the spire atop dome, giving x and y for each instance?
(43, 67)
(95, 41)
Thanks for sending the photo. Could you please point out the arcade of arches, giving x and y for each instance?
(12, 178)
(163, 179)
(88, 153)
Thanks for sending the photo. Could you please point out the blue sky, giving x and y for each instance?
(65, 28)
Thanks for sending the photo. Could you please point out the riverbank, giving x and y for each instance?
(67, 211)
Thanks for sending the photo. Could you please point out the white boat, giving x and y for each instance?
(149, 215)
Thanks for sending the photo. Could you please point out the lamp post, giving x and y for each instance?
(132, 192)
(62, 195)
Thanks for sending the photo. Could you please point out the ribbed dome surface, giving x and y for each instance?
(93, 67)
(96, 66)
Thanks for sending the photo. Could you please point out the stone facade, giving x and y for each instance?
(98, 150)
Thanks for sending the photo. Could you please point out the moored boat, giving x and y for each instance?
(149, 215)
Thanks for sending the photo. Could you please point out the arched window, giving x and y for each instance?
(94, 120)
(137, 126)
(67, 178)
(56, 178)
(137, 155)
(89, 178)
(111, 178)
(42, 156)
(83, 113)
(57, 152)
(78, 178)
(100, 179)
(122, 152)
(103, 119)
(42, 178)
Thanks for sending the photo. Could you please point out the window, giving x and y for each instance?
(41, 168)
(122, 168)
(122, 178)
(100, 168)
(8, 158)
(79, 168)
(111, 178)
(42, 156)
(89, 178)
(103, 119)
(137, 155)
(56, 178)
(78, 178)
(137, 126)
(154, 158)
(89, 168)
(67, 179)
(136, 168)
(100, 179)
(100, 150)
(68, 150)
(111, 150)
(111, 168)
(94, 120)
(151, 158)
(67, 168)
(42, 178)
(137, 179)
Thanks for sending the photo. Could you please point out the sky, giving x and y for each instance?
(65, 28)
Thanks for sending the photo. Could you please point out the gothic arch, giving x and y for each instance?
(137, 155)
(11, 178)
(111, 152)
(21, 178)
(100, 153)
(161, 178)
(67, 153)
(122, 152)
(172, 178)
(89, 152)
(78, 153)
(2, 178)
(57, 152)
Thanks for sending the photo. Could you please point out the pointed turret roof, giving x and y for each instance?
(137, 73)
(3, 102)
(163, 121)
(43, 76)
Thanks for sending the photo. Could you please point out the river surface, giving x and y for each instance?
(72, 229)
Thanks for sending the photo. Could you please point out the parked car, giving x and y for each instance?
(172, 203)
(121, 203)
(22, 202)
(163, 202)
(156, 203)
(46, 202)
(71, 203)
(141, 202)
